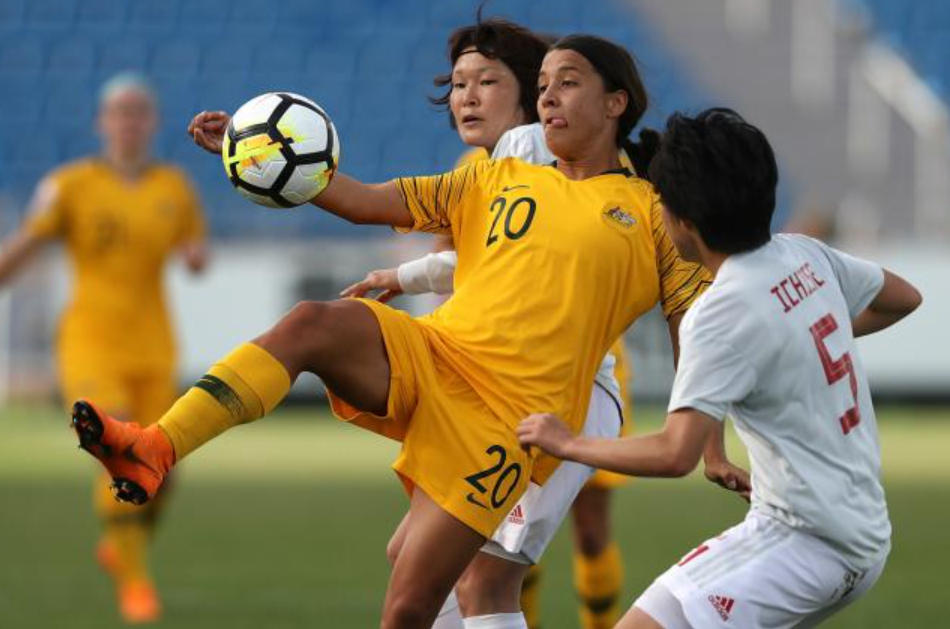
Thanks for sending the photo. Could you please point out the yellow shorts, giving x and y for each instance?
(461, 454)
(138, 394)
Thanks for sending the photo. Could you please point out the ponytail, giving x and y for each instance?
(642, 153)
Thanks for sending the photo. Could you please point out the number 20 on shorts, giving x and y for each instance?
(494, 483)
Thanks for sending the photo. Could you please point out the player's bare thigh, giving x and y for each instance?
(341, 342)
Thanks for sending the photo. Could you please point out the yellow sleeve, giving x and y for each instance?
(193, 225)
(47, 214)
(434, 201)
(474, 154)
(681, 282)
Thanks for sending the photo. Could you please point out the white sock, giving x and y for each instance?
(449, 616)
(496, 621)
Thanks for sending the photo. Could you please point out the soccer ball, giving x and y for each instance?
(280, 150)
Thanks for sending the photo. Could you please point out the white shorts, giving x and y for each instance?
(534, 520)
(760, 574)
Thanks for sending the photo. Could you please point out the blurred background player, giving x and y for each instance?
(122, 218)
(492, 74)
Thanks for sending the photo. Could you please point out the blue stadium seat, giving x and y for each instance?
(443, 17)
(12, 16)
(177, 59)
(71, 58)
(558, 17)
(448, 150)
(224, 61)
(408, 152)
(351, 18)
(51, 16)
(101, 16)
(71, 105)
(22, 102)
(154, 18)
(36, 149)
(80, 143)
(386, 57)
(379, 102)
(255, 17)
(324, 62)
(204, 18)
(122, 55)
(334, 95)
(21, 57)
(282, 57)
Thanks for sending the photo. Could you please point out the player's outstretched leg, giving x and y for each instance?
(339, 341)
(136, 458)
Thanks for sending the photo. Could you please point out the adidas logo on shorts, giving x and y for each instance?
(516, 516)
(723, 605)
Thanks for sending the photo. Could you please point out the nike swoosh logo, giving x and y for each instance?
(510, 188)
(471, 498)
(129, 455)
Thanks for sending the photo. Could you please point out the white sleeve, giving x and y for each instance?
(860, 280)
(711, 376)
(433, 273)
(526, 142)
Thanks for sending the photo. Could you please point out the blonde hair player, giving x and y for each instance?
(771, 344)
(122, 217)
(484, 91)
(452, 386)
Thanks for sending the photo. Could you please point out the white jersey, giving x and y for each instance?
(770, 344)
(435, 271)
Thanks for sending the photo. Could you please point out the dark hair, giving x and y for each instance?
(718, 172)
(514, 45)
(618, 70)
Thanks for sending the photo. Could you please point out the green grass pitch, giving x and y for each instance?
(283, 524)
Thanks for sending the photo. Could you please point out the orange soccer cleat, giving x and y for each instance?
(138, 603)
(137, 458)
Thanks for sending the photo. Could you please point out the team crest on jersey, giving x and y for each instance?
(618, 215)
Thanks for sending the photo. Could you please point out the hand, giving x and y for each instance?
(547, 432)
(386, 280)
(730, 477)
(207, 130)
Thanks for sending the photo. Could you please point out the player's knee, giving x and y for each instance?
(302, 334)
(480, 594)
(409, 610)
(393, 548)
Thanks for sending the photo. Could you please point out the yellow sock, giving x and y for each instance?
(598, 581)
(243, 387)
(126, 530)
(530, 597)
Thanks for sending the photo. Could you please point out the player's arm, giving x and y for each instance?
(717, 467)
(672, 452)
(896, 299)
(365, 204)
(16, 251)
(195, 255)
(351, 200)
(433, 273)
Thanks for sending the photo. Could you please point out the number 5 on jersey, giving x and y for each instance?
(835, 370)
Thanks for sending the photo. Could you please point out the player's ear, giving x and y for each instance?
(616, 103)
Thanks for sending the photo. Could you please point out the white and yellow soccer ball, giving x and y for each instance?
(280, 150)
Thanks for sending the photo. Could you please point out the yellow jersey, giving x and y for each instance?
(550, 272)
(472, 154)
(118, 234)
